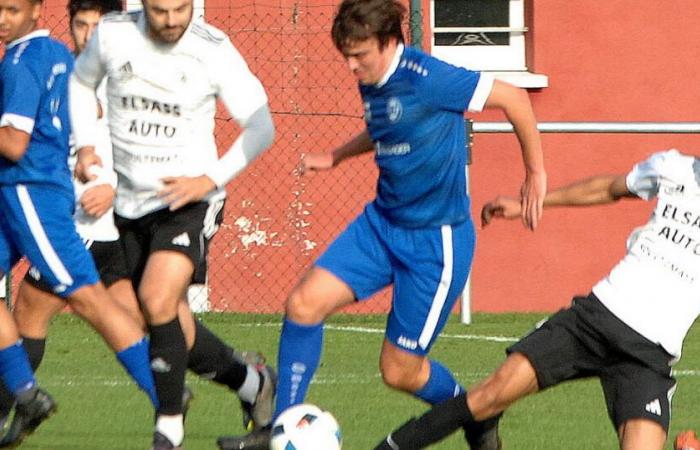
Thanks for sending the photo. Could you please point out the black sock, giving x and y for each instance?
(168, 352)
(211, 358)
(433, 426)
(35, 351)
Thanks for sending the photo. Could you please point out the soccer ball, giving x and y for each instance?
(305, 427)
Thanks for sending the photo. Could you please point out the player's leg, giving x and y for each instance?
(210, 357)
(33, 404)
(46, 234)
(642, 434)
(638, 395)
(354, 266)
(555, 352)
(425, 291)
(163, 284)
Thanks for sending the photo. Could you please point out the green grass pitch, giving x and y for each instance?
(99, 408)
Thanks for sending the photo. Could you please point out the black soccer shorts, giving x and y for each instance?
(187, 230)
(587, 340)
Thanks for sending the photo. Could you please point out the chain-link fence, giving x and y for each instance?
(277, 222)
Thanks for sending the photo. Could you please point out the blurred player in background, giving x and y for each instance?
(628, 331)
(165, 72)
(417, 235)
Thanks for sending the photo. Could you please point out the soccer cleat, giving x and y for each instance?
(686, 440)
(256, 440)
(160, 442)
(483, 435)
(28, 416)
(259, 414)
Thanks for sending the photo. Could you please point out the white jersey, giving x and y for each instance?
(90, 228)
(655, 289)
(162, 101)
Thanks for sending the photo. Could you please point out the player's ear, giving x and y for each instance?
(36, 11)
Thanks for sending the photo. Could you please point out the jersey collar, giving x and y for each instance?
(392, 67)
(26, 37)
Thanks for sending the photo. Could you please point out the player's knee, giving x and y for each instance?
(159, 309)
(302, 308)
(397, 377)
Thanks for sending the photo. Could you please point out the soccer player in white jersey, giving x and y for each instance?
(165, 72)
(628, 331)
(417, 235)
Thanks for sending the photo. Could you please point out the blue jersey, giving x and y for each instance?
(34, 98)
(416, 121)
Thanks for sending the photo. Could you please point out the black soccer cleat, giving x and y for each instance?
(484, 435)
(259, 414)
(256, 440)
(28, 416)
(160, 442)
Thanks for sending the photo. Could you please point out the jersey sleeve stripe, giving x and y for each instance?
(18, 122)
(481, 93)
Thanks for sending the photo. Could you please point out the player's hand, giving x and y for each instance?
(502, 207)
(532, 195)
(179, 191)
(86, 159)
(315, 162)
(97, 200)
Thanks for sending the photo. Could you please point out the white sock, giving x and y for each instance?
(250, 387)
(172, 428)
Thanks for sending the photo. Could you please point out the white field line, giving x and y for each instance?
(346, 378)
(368, 330)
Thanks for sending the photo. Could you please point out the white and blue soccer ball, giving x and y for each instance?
(305, 427)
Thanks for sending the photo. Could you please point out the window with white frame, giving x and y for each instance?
(485, 35)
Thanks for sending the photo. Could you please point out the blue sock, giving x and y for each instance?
(136, 361)
(15, 370)
(441, 385)
(297, 361)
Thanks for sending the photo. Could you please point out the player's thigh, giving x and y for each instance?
(42, 227)
(562, 348)
(642, 434)
(355, 265)
(318, 294)
(634, 391)
(35, 307)
(430, 271)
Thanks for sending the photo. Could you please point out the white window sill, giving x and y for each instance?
(522, 79)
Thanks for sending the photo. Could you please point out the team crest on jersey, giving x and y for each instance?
(394, 109)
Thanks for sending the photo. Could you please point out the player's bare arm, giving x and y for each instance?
(13, 143)
(515, 103)
(598, 190)
(323, 161)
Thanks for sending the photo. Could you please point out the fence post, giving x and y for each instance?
(415, 22)
(465, 310)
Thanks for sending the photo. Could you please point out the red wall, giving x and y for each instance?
(606, 61)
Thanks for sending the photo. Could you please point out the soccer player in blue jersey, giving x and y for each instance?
(418, 233)
(36, 191)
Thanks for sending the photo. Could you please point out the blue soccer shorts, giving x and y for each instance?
(428, 268)
(37, 222)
